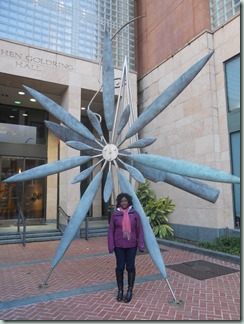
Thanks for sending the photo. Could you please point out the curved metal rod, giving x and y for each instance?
(130, 21)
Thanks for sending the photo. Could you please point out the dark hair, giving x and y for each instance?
(122, 195)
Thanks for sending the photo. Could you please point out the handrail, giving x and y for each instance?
(64, 214)
(67, 217)
(21, 220)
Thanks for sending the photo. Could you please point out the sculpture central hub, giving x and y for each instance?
(110, 152)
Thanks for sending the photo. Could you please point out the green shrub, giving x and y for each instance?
(156, 210)
(226, 244)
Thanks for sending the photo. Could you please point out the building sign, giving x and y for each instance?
(35, 63)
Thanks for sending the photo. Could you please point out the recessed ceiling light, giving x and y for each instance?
(33, 100)
(83, 108)
(11, 116)
(25, 114)
(21, 93)
(17, 102)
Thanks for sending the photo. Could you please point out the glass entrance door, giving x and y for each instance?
(9, 192)
(33, 194)
(29, 194)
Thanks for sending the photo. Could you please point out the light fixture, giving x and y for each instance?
(11, 116)
(25, 114)
(21, 93)
(33, 100)
(17, 102)
(83, 108)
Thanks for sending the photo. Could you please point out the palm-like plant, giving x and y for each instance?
(156, 210)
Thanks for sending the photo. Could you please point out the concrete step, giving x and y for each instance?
(42, 235)
(32, 236)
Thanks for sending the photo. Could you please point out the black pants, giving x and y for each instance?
(125, 258)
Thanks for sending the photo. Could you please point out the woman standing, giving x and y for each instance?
(125, 234)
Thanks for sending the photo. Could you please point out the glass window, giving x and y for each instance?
(74, 18)
(222, 10)
(21, 125)
(232, 76)
(10, 193)
(232, 72)
(29, 194)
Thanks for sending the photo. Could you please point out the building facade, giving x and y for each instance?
(202, 124)
(55, 47)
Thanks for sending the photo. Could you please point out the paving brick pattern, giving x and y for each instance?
(82, 286)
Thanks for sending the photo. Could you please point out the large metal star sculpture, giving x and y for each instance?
(110, 154)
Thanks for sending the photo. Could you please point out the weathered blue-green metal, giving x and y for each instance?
(84, 174)
(165, 98)
(66, 134)
(60, 113)
(192, 186)
(141, 143)
(135, 173)
(124, 119)
(184, 168)
(108, 80)
(87, 149)
(48, 169)
(95, 122)
(197, 188)
(108, 187)
(78, 217)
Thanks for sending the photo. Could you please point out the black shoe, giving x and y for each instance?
(128, 295)
(120, 295)
(131, 280)
(120, 283)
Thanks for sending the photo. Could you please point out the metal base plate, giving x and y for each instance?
(176, 302)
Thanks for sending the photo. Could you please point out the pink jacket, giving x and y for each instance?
(115, 234)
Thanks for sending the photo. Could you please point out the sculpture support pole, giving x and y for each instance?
(178, 302)
(45, 284)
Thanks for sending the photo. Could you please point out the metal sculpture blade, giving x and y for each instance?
(164, 99)
(95, 122)
(48, 169)
(84, 174)
(136, 174)
(144, 142)
(192, 186)
(124, 119)
(89, 150)
(77, 217)
(62, 115)
(108, 80)
(149, 237)
(108, 187)
(184, 168)
(66, 134)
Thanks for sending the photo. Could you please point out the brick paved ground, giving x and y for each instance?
(82, 286)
